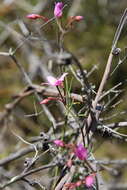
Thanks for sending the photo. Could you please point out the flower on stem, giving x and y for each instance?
(89, 180)
(81, 152)
(78, 18)
(36, 16)
(45, 101)
(59, 143)
(58, 10)
(72, 19)
(56, 82)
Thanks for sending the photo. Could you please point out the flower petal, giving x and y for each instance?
(33, 16)
(81, 152)
(52, 80)
(58, 9)
(45, 101)
(79, 18)
(89, 181)
(62, 77)
(59, 143)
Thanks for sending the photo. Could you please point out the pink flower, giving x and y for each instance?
(33, 16)
(58, 9)
(81, 152)
(78, 18)
(59, 143)
(73, 19)
(45, 101)
(89, 181)
(36, 16)
(56, 82)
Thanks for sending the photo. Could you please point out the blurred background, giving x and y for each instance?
(89, 40)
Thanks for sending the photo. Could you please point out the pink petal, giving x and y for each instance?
(59, 143)
(45, 101)
(33, 16)
(58, 9)
(89, 181)
(52, 80)
(81, 152)
(62, 77)
(56, 82)
(36, 16)
(78, 18)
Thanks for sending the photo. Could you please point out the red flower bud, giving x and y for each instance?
(36, 16)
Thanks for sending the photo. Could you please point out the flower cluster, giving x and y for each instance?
(87, 181)
(79, 150)
(58, 12)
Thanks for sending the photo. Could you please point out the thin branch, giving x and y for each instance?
(119, 29)
(21, 176)
(108, 66)
(107, 162)
(17, 155)
(111, 133)
(26, 142)
(110, 90)
(117, 125)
